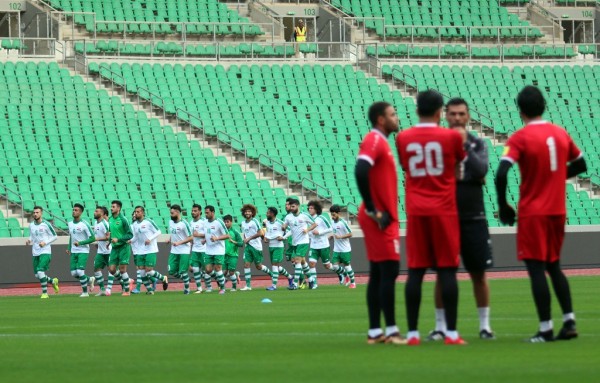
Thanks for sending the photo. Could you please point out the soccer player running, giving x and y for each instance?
(198, 246)
(289, 251)
(102, 236)
(120, 234)
(232, 245)
(274, 237)
(342, 251)
(216, 234)
(179, 257)
(319, 244)
(546, 156)
(298, 222)
(475, 242)
(41, 235)
(80, 237)
(377, 182)
(252, 233)
(430, 156)
(145, 248)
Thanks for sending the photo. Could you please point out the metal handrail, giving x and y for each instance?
(287, 175)
(151, 100)
(112, 81)
(348, 210)
(330, 199)
(233, 139)
(84, 62)
(189, 122)
(61, 51)
(359, 21)
(57, 218)
(6, 188)
(394, 70)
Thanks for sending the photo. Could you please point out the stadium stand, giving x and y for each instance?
(87, 146)
(316, 134)
(431, 19)
(165, 17)
(453, 51)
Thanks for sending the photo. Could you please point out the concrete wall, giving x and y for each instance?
(581, 250)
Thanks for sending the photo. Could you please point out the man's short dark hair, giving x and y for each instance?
(293, 201)
(273, 210)
(335, 209)
(455, 101)
(141, 208)
(376, 110)
(38, 207)
(210, 208)
(117, 202)
(531, 101)
(197, 206)
(79, 206)
(429, 102)
(317, 206)
(227, 217)
(176, 207)
(104, 210)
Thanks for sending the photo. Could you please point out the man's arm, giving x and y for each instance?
(91, 237)
(128, 233)
(507, 212)
(576, 167)
(155, 232)
(361, 172)
(477, 159)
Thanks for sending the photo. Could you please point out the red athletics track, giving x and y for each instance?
(71, 287)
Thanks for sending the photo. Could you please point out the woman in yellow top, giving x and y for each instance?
(300, 32)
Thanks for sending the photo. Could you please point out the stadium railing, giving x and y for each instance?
(229, 140)
(32, 46)
(268, 162)
(11, 195)
(189, 122)
(122, 83)
(326, 194)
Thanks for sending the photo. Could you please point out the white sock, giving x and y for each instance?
(484, 318)
(440, 320)
(452, 334)
(389, 330)
(546, 326)
(375, 332)
(568, 317)
(413, 334)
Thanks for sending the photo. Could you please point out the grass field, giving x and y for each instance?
(311, 336)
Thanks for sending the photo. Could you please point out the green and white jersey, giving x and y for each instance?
(341, 228)
(81, 232)
(321, 241)
(217, 228)
(143, 231)
(41, 232)
(100, 230)
(180, 231)
(274, 230)
(199, 245)
(298, 223)
(250, 228)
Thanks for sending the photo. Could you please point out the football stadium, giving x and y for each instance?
(192, 181)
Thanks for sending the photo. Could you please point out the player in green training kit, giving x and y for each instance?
(274, 236)
(41, 235)
(216, 234)
(232, 245)
(198, 246)
(179, 258)
(252, 233)
(341, 247)
(80, 237)
(102, 236)
(120, 234)
(145, 249)
(298, 222)
(319, 245)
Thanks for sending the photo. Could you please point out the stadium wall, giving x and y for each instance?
(581, 250)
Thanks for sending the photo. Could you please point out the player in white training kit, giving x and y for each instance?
(80, 237)
(342, 251)
(41, 235)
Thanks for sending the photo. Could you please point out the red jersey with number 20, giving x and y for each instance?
(542, 151)
(428, 154)
(383, 180)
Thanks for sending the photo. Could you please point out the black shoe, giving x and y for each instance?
(485, 334)
(568, 331)
(435, 335)
(542, 337)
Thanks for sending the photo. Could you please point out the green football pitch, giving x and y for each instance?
(311, 336)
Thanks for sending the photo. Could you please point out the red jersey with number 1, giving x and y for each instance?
(542, 151)
(429, 154)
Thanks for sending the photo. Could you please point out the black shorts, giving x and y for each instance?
(475, 245)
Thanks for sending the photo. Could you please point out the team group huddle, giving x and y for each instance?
(207, 247)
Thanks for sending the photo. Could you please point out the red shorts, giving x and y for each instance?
(540, 237)
(432, 241)
(381, 245)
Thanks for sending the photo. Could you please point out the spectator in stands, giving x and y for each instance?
(300, 32)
